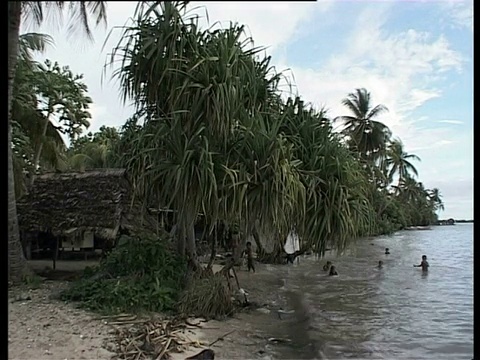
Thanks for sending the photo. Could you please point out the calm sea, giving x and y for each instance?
(397, 312)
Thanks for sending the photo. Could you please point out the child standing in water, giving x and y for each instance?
(424, 264)
(380, 264)
(249, 253)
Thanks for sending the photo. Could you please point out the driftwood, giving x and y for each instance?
(152, 340)
(221, 338)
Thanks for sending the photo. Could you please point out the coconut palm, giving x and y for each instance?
(409, 189)
(94, 150)
(80, 11)
(30, 43)
(398, 161)
(366, 136)
(436, 197)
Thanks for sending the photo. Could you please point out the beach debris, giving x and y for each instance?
(207, 354)
(22, 297)
(195, 322)
(278, 340)
(284, 312)
(221, 338)
(153, 339)
(263, 310)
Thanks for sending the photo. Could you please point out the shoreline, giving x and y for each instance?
(58, 330)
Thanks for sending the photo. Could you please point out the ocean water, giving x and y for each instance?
(397, 312)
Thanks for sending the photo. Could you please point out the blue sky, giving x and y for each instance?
(415, 57)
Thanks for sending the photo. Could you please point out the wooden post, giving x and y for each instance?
(28, 244)
(55, 253)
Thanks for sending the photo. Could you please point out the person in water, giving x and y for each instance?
(387, 251)
(424, 264)
(380, 264)
(326, 267)
(249, 253)
(333, 271)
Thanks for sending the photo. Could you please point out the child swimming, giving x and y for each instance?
(327, 266)
(333, 271)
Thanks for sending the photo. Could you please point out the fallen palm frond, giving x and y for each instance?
(153, 340)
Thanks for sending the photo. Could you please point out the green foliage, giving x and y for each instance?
(32, 281)
(48, 101)
(218, 139)
(142, 274)
(94, 150)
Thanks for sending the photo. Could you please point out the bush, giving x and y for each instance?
(207, 297)
(142, 274)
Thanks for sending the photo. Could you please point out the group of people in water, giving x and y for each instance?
(332, 271)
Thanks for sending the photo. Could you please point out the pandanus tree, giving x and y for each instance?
(79, 11)
(336, 186)
(201, 96)
(216, 137)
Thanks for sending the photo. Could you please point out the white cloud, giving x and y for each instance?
(396, 68)
(270, 24)
(454, 122)
(459, 13)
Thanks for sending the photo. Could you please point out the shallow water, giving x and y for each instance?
(397, 312)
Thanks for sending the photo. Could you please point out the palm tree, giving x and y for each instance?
(94, 150)
(436, 198)
(17, 266)
(409, 189)
(366, 136)
(398, 161)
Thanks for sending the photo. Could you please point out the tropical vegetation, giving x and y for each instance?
(214, 137)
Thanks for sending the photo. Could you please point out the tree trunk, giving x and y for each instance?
(38, 152)
(191, 245)
(214, 240)
(180, 231)
(17, 265)
(256, 237)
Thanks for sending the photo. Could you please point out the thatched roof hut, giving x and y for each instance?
(96, 200)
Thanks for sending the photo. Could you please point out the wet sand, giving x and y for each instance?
(43, 327)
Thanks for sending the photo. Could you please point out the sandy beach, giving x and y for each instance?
(43, 327)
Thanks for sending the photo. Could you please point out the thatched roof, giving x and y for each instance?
(64, 202)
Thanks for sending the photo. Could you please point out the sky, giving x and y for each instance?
(414, 57)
